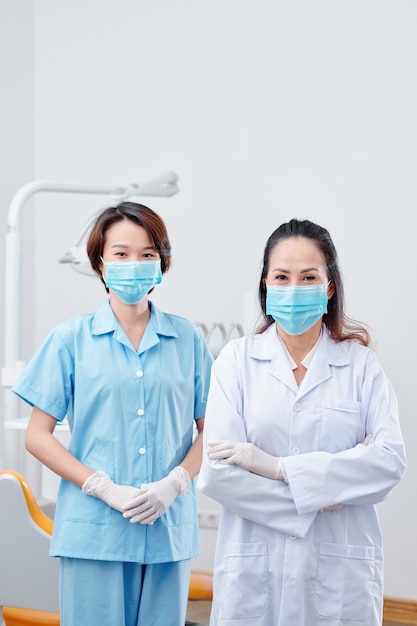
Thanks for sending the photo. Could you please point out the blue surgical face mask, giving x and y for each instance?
(130, 281)
(296, 309)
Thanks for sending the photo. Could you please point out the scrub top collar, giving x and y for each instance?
(105, 322)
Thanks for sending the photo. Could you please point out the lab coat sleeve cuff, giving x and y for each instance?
(304, 502)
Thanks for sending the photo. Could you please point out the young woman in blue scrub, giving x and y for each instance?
(302, 440)
(132, 382)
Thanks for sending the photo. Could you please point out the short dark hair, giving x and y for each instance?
(138, 214)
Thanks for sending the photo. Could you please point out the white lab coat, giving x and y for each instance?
(280, 560)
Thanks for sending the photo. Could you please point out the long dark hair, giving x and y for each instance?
(140, 215)
(341, 327)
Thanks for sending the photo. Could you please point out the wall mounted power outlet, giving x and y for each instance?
(208, 519)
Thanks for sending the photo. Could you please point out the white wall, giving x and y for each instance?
(267, 110)
(16, 145)
(16, 113)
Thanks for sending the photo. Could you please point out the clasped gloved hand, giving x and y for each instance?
(100, 485)
(155, 498)
(247, 455)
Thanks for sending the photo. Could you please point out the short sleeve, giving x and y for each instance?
(47, 380)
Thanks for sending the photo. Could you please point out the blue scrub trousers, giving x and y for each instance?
(107, 593)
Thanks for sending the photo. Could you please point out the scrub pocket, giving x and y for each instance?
(245, 584)
(79, 507)
(182, 512)
(345, 578)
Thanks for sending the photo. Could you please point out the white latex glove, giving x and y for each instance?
(368, 440)
(335, 507)
(100, 485)
(155, 498)
(247, 455)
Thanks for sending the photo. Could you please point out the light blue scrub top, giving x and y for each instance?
(130, 415)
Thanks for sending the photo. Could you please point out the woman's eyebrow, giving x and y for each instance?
(310, 269)
(303, 271)
(125, 246)
(279, 269)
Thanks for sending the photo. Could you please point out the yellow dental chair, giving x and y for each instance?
(29, 578)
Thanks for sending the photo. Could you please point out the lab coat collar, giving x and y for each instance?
(328, 353)
(268, 347)
(105, 322)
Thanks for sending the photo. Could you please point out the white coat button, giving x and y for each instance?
(139, 373)
(140, 411)
(296, 450)
(297, 407)
(142, 450)
(292, 537)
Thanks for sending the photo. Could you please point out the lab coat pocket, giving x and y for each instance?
(245, 588)
(340, 425)
(344, 581)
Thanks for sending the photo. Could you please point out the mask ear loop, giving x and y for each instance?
(327, 288)
(103, 265)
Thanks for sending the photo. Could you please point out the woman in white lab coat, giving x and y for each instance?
(302, 440)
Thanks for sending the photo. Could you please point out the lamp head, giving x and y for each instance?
(165, 185)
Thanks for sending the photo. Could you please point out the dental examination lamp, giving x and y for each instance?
(165, 185)
(77, 256)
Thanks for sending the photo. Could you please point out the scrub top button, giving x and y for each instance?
(140, 411)
(297, 407)
(139, 373)
(296, 450)
(142, 450)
